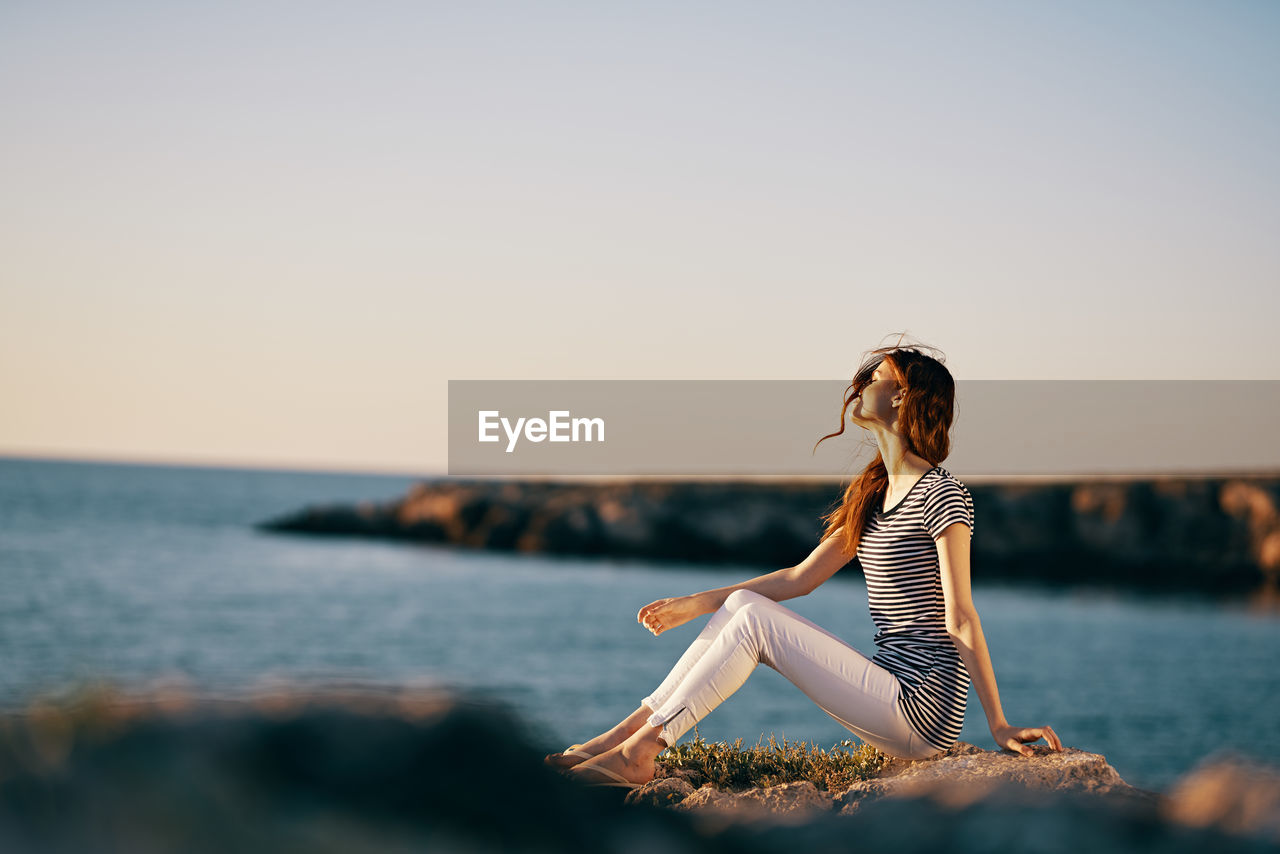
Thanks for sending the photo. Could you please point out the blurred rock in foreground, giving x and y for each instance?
(1215, 536)
(389, 771)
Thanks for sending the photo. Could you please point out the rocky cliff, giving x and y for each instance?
(1219, 537)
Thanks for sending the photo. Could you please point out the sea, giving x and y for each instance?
(139, 575)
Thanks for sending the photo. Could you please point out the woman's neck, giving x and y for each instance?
(905, 464)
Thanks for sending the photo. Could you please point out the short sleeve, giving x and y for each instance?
(945, 504)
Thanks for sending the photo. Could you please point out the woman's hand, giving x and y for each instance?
(665, 614)
(1014, 737)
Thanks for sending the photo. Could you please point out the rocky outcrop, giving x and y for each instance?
(978, 771)
(961, 776)
(380, 769)
(1216, 536)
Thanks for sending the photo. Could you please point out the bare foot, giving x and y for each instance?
(633, 760)
(601, 743)
(596, 746)
(567, 759)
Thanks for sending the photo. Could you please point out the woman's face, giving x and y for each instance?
(875, 404)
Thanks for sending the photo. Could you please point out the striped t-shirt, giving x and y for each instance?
(899, 558)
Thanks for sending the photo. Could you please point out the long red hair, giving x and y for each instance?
(924, 419)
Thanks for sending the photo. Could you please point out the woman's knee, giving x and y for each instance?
(742, 597)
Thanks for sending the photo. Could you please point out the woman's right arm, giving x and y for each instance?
(799, 580)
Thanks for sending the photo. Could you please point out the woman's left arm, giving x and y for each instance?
(966, 631)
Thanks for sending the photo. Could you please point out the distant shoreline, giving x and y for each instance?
(1212, 536)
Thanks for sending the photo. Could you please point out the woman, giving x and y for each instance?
(909, 521)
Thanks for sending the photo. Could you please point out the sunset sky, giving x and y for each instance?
(269, 233)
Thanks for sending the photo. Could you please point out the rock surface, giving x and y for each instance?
(1219, 536)
(785, 803)
(963, 775)
(388, 770)
(976, 771)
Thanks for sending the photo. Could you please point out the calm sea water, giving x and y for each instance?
(130, 573)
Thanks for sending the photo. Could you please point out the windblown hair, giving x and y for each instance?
(924, 419)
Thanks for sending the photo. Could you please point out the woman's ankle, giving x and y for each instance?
(648, 740)
(634, 722)
(623, 730)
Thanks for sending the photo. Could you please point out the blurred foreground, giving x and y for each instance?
(391, 770)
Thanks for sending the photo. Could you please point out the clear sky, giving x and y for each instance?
(268, 233)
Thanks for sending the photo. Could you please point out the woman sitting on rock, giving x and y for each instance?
(909, 521)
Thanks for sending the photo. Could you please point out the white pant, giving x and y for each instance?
(750, 628)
